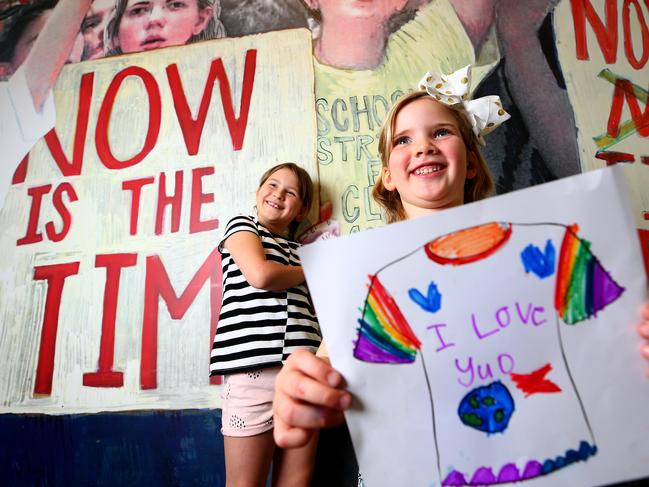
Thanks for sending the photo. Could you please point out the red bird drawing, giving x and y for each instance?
(535, 382)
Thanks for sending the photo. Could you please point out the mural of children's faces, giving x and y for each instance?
(353, 33)
(26, 41)
(332, 10)
(152, 24)
(93, 28)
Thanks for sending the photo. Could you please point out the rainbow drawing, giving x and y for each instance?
(583, 286)
(384, 335)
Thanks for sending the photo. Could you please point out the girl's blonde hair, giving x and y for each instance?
(305, 188)
(213, 30)
(476, 188)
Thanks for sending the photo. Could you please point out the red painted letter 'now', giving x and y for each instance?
(606, 34)
(192, 128)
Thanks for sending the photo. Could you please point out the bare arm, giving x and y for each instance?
(545, 107)
(52, 47)
(248, 254)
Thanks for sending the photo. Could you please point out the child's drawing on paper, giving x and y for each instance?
(482, 387)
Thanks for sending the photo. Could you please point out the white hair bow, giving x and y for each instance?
(485, 114)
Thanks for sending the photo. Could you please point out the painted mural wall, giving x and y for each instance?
(109, 275)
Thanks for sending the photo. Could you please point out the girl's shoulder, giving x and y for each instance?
(248, 223)
(241, 222)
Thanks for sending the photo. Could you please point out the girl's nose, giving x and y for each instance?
(426, 147)
(157, 14)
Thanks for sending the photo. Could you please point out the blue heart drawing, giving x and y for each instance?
(540, 263)
(432, 302)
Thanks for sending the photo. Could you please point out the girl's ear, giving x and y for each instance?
(204, 16)
(386, 179)
(312, 4)
(301, 215)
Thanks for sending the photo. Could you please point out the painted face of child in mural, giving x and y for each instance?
(152, 24)
(25, 43)
(93, 28)
(428, 159)
(345, 9)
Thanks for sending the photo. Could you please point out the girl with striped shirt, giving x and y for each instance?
(266, 314)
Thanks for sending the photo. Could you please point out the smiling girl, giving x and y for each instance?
(141, 25)
(430, 162)
(266, 314)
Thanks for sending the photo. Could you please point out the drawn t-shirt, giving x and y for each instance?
(483, 390)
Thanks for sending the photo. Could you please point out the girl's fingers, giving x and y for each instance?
(314, 367)
(295, 414)
(307, 397)
(643, 330)
(305, 389)
(644, 350)
(644, 313)
(286, 437)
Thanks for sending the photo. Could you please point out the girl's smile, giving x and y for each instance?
(429, 168)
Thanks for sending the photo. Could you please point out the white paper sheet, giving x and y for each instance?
(493, 342)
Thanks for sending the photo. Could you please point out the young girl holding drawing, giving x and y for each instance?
(429, 147)
(266, 314)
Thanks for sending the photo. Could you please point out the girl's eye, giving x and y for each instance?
(401, 140)
(89, 24)
(138, 10)
(442, 132)
(292, 194)
(176, 5)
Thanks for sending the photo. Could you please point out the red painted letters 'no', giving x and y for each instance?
(607, 32)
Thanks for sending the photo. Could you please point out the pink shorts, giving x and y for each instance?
(248, 402)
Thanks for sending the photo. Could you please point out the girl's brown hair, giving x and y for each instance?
(305, 188)
(476, 188)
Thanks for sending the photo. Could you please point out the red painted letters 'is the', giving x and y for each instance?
(32, 234)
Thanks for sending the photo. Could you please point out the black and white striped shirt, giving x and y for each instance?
(259, 328)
